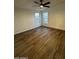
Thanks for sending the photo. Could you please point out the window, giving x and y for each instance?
(45, 18)
(37, 19)
(41, 18)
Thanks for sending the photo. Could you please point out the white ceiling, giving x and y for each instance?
(29, 4)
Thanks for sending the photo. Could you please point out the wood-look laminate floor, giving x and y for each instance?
(40, 43)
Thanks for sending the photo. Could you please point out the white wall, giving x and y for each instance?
(57, 17)
(23, 20)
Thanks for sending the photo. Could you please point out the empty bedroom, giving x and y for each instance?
(39, 29)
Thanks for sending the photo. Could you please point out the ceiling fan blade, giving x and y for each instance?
(36, 2)
(41, 0)
(46, 3)
(47, 6)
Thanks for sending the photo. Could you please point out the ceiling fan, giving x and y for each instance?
(41, 4)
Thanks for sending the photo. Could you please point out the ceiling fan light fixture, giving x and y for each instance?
(41, 6)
